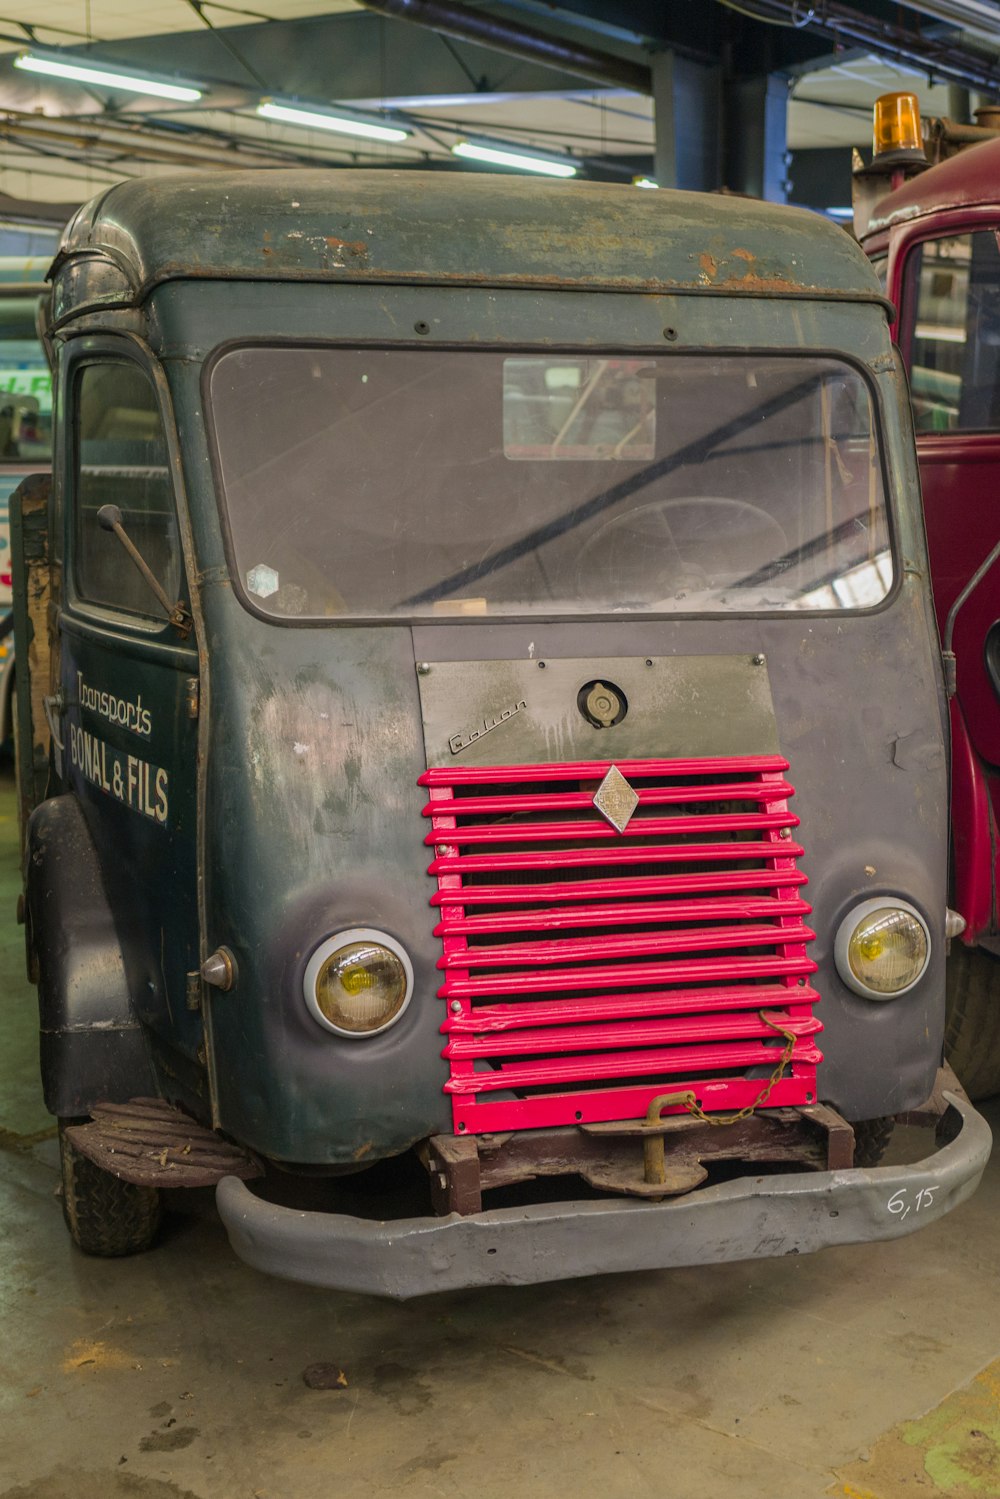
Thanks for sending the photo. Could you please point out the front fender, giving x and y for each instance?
(92, 1044)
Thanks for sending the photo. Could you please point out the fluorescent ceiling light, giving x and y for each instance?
(81, 72)
(502, 156)
(346, 123)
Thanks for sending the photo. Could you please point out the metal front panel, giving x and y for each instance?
(498, 712)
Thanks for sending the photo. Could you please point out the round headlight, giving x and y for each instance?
(358, 982)
(882, 948)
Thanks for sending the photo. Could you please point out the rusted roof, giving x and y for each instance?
(461, 227)
(963, 181)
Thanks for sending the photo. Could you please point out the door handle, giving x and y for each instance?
(54, 706)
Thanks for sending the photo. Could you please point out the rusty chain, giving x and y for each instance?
(697, 1112)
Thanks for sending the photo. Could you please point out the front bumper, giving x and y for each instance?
(755, 1217)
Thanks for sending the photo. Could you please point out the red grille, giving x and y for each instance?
(588, 970)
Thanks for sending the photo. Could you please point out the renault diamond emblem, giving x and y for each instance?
(615, 799)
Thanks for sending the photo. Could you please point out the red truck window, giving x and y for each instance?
(951, 333)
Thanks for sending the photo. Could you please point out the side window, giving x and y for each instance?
(121, 459)
(880, 265)
(952, 302)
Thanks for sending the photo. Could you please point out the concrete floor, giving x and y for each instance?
(864, 1373)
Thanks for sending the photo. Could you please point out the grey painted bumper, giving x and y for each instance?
(755, 1217)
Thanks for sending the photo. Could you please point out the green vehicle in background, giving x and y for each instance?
(484, 737)
(25, 427)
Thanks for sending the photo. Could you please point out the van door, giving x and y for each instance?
(129, 682)
(949, 333)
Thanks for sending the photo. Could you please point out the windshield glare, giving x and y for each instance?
(392, 482)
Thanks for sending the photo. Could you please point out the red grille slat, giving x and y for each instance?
(578, 950)
(572, 770)
(647, 827)
(524, 1043)
(499, 1019)
(486, 1115)
(583, 858)
(683, 884)
(629, 995)
(566, 801)
(683, 971)
(575, 1069)
(608, 915)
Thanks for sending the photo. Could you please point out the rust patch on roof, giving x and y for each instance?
(709, 265)
(355, 249)
(746, 255)
(751, 282)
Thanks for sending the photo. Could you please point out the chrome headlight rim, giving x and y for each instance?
(855, 916)
(326, 950)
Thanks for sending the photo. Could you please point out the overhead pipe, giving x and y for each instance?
(138, 141)
(955, 63)
(524, 42)
(884, 39)
(975, 15)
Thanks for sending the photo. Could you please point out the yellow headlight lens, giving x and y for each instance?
(361, 987)
(357, 978)
(888, 950)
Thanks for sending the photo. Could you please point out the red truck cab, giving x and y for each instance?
(936, 241)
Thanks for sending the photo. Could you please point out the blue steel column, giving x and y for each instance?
(686, 123)
(664, 131)
(756, 153)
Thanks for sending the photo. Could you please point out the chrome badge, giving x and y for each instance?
(615, 799)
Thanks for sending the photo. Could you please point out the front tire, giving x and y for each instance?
(105, 1216)
(972, 1028)
(871, 1139)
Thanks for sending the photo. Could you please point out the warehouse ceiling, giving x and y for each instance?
(62, 141)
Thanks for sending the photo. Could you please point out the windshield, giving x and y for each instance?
(397, 482)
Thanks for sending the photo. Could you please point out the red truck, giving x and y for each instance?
(935, 239)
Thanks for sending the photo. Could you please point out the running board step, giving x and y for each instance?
(151, 1143)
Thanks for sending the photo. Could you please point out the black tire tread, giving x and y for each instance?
(972, 1028)
(105, 1216)
(871, 1139)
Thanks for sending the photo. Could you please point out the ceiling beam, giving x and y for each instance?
(514, 39)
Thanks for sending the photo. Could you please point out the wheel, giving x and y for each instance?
(105, 1216)
(694, 542)
(871, 1139)
(8, 748)
(972, 1028)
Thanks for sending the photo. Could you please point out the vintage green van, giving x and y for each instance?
(484, 738)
